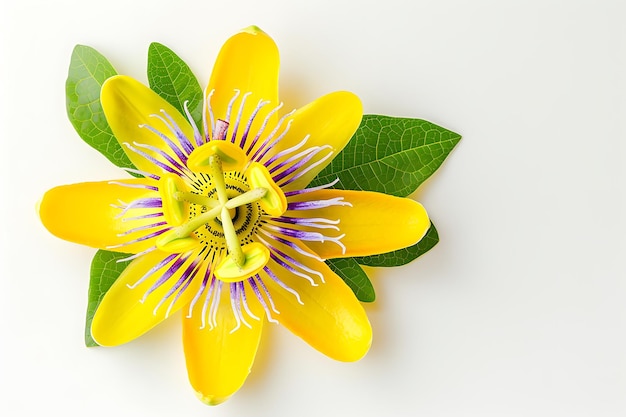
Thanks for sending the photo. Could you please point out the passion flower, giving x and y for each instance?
(221, 225)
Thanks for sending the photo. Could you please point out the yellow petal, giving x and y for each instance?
(84, 213)
(218, 361)
(330, 318)
(374, 223)
(331, 120)
(127, 105)
(247, 62)
(123, 315)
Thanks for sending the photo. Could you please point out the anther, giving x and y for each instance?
(231, 156)
(256, 257)
(274, 201)
(174, 210)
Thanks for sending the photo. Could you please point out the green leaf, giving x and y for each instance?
(393, 156)
(88, 71)
(390, 155)
(105, 269)
(354, 276)
(171, 78)
(403, 256)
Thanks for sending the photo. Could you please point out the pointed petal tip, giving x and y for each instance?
(116, 79)
(98, 342)
(253, 30)
(210, 399)
(352, 103)
(359, 347)
(98, 334)
(111, 84)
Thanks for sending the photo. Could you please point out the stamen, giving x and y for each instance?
(246, 198)
(232, 157)
(196, 199)
(232, 242)
(254, 258)
(217, 175)
(174, 210)
(180, 239)
(274, 201)
(230, 234)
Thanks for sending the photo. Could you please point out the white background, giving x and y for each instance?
(521, 308)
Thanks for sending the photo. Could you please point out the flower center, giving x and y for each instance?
(223, 209)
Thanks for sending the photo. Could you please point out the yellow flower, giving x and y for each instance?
(221, 224)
